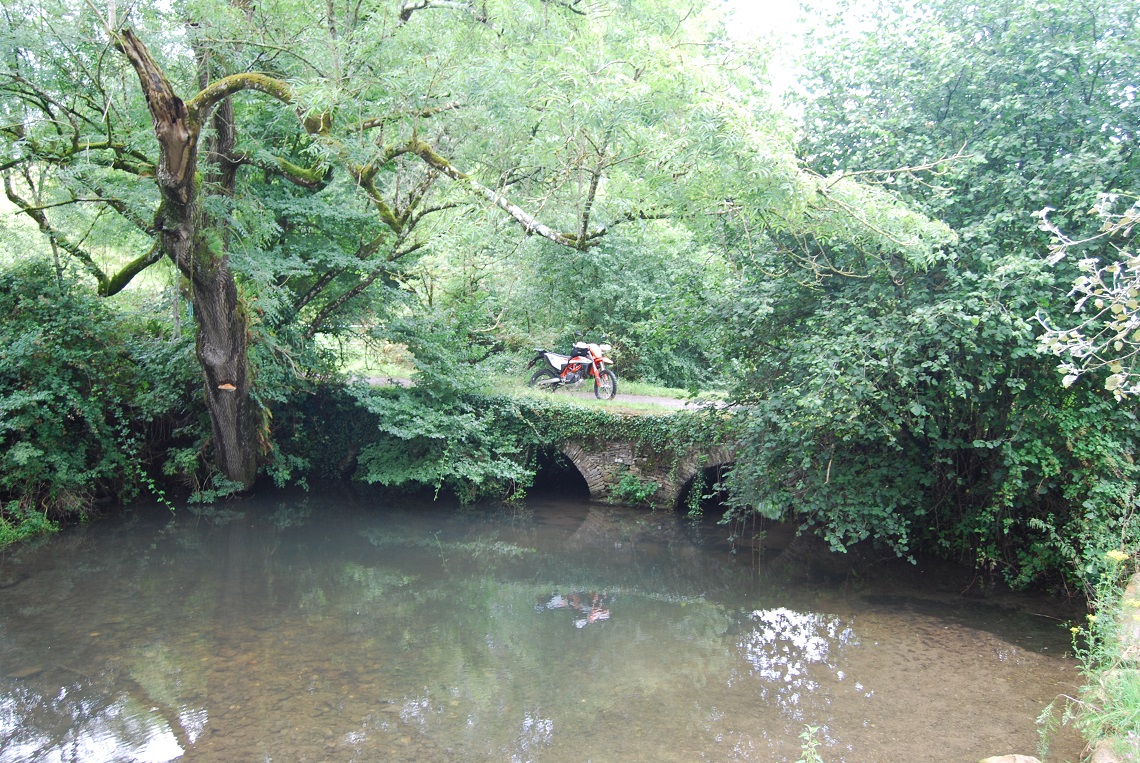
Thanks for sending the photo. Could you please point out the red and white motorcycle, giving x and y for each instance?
(571, 370)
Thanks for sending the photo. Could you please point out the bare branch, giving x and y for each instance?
(931, 167)
(628, 217)
(241, 43)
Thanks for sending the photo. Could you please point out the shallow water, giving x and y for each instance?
(342, 627)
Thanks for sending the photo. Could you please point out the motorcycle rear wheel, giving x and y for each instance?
(541, 375)
(605, 386)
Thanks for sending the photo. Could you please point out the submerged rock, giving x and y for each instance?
(26, 672)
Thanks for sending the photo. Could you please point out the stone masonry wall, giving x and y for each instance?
(604, 464)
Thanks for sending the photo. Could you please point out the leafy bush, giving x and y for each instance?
(78, 404)
(906, 401)
(635, 491)
(915, 411)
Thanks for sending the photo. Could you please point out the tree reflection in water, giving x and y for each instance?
(91, 726)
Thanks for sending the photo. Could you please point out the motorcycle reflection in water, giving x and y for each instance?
(593, 605)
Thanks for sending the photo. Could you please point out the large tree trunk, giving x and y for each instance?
(223, 343)
(223, 351)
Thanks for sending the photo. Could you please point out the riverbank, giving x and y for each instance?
(1107, 708)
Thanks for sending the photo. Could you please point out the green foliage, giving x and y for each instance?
(642, 288)
(75, 395)
(1108, 295)
(917, 413)
(454, 441)
(1029, 96)
(634, 491)
(472, 445)
(19, 522)
(810, 744)
(697, 494)
(446, 432)
(886, 362)
(901, 398)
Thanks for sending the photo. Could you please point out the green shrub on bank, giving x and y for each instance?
(913, 409)
(80, 388)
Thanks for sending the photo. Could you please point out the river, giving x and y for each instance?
(349, 626)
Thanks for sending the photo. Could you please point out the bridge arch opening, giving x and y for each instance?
(557, 474)
(703, 493)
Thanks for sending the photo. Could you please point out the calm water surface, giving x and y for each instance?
(337, 627)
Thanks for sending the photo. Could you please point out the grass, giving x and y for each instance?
(583, 396)
(362, 356)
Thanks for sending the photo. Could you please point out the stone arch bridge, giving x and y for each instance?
(605, 464)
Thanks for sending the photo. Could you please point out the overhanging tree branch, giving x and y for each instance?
(106, 285)
(529, 223)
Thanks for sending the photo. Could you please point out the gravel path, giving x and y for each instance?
(585, 392)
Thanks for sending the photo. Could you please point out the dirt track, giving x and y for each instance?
(665, 402)
(584, 392)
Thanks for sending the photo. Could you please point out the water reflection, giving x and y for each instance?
(785, 647)
(537, 733)
(592, 604)
(337, 630)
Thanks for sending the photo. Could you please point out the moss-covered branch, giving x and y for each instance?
(116, 283)
(307, 177)
(209, 96)
(67, 148)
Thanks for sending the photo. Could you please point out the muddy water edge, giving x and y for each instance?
(343, 625)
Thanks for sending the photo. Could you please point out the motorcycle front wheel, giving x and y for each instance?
(543, 374)
(605, 385)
